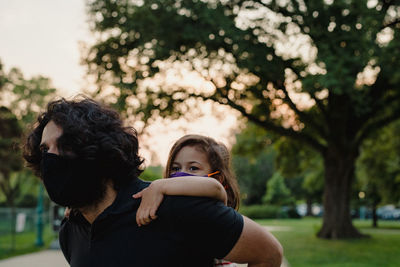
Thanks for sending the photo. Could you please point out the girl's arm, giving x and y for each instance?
(180, 186)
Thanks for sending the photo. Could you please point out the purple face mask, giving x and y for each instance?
(180, 174)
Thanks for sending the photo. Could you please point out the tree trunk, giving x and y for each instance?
(339, 175)
(374, 216)
(309, 206)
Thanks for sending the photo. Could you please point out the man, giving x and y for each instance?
(89, 162)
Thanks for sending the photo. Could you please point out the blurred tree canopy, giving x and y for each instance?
(277, 191)
(20, 101)
(258, 155)
(378, 168)
(152, 173)
(252, 174)
(300, 163)
(10, 161)
(10, 156)
(253, 160)
(321, 72)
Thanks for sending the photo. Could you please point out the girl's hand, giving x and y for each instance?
(152, 197)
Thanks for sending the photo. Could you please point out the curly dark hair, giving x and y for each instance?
(91, 131)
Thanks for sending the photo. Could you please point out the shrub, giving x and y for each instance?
(268, 212)
(262, 211)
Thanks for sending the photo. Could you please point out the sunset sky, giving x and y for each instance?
(42, 38)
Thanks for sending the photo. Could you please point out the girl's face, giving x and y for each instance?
(192, 160)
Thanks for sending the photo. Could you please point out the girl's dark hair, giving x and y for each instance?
(91, 131)
(218, 158)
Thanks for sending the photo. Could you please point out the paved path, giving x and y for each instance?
(46, 258)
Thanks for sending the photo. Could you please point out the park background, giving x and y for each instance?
(305, 93)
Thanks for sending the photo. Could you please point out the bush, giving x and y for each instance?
(292, 213)
(268, 212)
(262, 211)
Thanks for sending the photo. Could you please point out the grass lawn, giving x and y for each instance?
(303, 248)
(24, 243)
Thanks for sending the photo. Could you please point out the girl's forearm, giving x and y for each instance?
(192, 186)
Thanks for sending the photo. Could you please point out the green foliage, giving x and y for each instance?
(259, 57)
(262, 211)
(253, 161)
(256, 155)
(379, 166)
(252, 175)
(10, 131)
(145, 39)
(151, 173)
(25, 97)
(298, 162)
(277, 192)
(252, 141)
(22, 99)
(10, 156)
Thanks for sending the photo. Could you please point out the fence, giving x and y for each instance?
(24, 224)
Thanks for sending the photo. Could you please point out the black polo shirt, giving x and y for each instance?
(189, 231)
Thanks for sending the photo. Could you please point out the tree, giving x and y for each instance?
(277, 191)
(25, 97)
(298, 162)
(253, 174)
(260, 58)
(11, 161)
(253, 160)
(22, 99)
(379, 177)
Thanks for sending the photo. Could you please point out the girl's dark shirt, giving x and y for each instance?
(189, 231)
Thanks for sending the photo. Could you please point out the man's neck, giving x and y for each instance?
(90, 213)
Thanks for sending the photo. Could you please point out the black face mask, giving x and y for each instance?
(72, 182)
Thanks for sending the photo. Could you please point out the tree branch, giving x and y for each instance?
(321, 106)
(370, 128)
(265, 124)
(303, 116)
(377, 92)
(393, 23)
(278, 129)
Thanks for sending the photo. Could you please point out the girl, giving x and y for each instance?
(191, 158)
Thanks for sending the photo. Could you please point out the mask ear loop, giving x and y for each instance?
(211, 174)
(219, 179)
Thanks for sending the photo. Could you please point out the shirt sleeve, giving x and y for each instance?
(210, 227)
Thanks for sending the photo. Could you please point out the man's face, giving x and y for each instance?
(50, 135)
(69, 182)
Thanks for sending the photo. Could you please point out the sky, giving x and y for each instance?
(42, 37)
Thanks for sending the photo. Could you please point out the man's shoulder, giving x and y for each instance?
(194, 207)
(189, 201)
(215, 227)
(139, 184)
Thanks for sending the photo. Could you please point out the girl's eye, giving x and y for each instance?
(193, 168)
(175, 169)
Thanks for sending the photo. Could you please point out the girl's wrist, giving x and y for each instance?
(159, 185)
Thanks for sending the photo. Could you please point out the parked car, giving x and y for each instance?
(388, 212)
